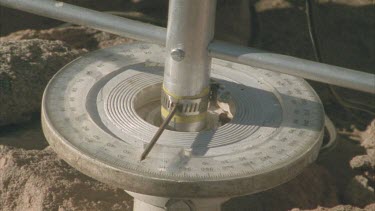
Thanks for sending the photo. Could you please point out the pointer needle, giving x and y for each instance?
(159, 132)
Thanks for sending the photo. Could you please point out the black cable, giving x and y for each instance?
(318, 57)
(332, 142)
(312, 31)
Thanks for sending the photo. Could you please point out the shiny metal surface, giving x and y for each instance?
(91, 18)
(325, 73)
(187, 66)
(191, 29)
(315, 71)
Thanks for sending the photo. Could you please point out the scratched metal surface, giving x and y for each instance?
(89, 118)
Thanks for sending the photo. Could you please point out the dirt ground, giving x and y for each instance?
(32, 177)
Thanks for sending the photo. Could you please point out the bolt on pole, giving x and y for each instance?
(187, 66)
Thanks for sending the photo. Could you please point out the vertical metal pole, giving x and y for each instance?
(187, 66)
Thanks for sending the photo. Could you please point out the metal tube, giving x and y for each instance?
(91, 18)
(187, 65)
(249, 56)
(190, 30)
(294, 66)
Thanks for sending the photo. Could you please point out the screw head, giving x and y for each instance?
(177, 54)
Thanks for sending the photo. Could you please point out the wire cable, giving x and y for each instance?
(332, 142)
(351, 104)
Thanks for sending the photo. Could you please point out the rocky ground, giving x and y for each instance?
(32, 177)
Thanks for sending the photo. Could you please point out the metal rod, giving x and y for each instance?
(190, 31)
(187, 64)
(294, 66)
(249, 56)
(91, 18)
(159, 132)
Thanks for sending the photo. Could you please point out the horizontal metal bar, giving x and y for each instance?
(91, 18)
(149, 33)
(315, 71)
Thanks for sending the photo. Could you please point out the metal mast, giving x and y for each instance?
(187, 65)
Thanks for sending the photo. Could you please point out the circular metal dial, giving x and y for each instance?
(89, 114)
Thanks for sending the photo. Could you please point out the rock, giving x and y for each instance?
(359, 192)
(339, 208)
(363, 162)
(106, 40)
(370, 207)
(38, 180)
(25, 68)
(14, 20)
(26, 184)
(313, 187)
(368, 136)
(78, 37)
